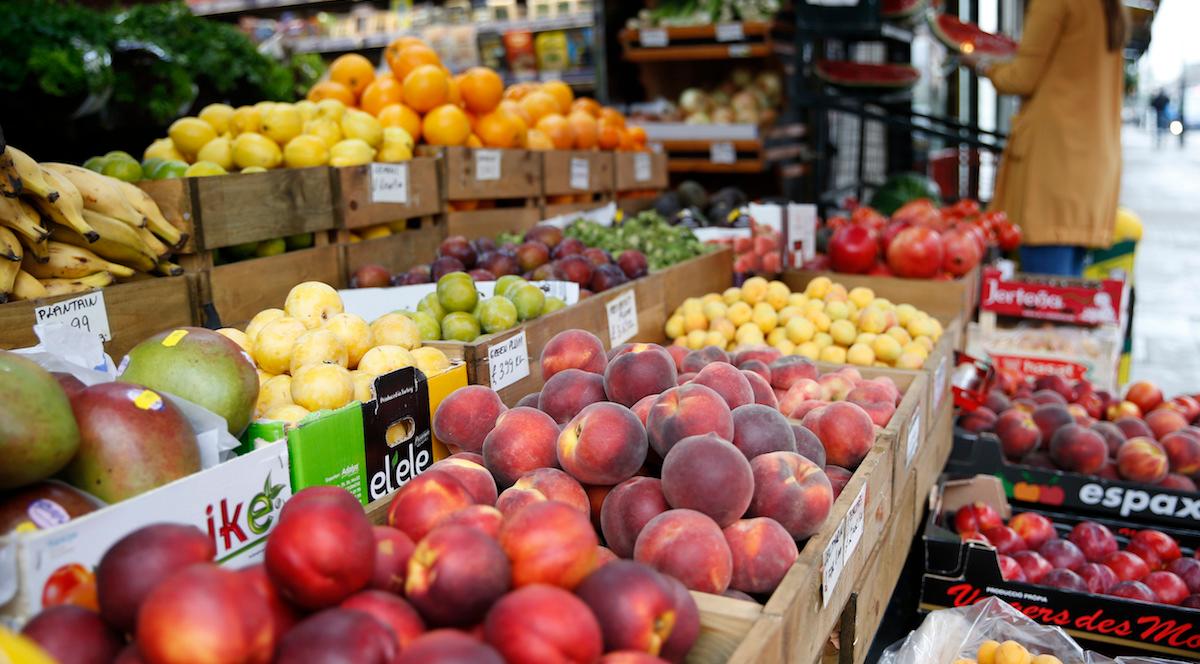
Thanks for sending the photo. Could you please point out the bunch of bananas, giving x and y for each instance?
(65, 229)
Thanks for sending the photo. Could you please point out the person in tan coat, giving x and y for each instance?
(1060, 174)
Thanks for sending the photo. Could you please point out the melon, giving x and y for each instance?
(965, 37)
(893, 10)
(38, 434)
(867, 75)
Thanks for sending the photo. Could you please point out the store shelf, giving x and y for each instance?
(702, 42)
(227, 7)
(382, 39)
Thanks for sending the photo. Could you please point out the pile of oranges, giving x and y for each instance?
(473, 108)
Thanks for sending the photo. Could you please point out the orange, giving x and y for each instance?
(609, 136)
(455, 96)
(463, 206)
(561, 92)
(399, 115)
(499, 129)
(538, 104)
(536, 140)
(515, 108)
(587, 105)
(331, 90)
(353, 71)
(411, 57)
(585, 128)
(627, 143)
(518, 90)
(474, 142)
(612, 116)
(481, 89)
(558, 130)
(426, 88)
(383, 91)
(446, 125)
(637, 134)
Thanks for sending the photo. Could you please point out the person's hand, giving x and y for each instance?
(969, 60)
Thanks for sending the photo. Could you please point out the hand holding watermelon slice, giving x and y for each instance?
(969, 39)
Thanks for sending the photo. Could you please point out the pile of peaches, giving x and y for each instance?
(1150, 567)
(1051, 423)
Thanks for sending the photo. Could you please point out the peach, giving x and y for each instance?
(684, 378)
(727, 381)
(835, 386)
(845, 430)
(322, 550)
(696, 360)
(139, 561)
(677, 353)
(1187, 569)
(1133, 427)
(1167, 587)
(1049, 418)
(763, 394)
(687, 622)
(998, 401)
(1094, 540)
(792, 490)
(1033, 564)
(1147, 553)
(554, 484)
(425, 500)
(1112, 435)
(550, 543)
(570, 391)
(763, 552)
(876, 399)
(636, 608)
(764, 354)
(1127, 566)
(807, 444)
(980, 419)
(1010, 570)
(73, 635)
(1078, 449)
(449, 646)
(642, 407)
(538, 623)
(789, 369)
(281, 616)
(1109, 471)
(392, 550)
(485, 518)
(387, 608)
(596, 497)
(340, 635)
(630, 657)
(204, 609)
(1163, 545)
(1005, 540)
(1062, 553)
(524, 439)
(573, 349)
(687, 411)
(473, 476)
(801, 391)
(604, 444)
(465, 417)
(455, 574)
(695, 465)
(838, 479)
(529, 400)
(604, 556)
(1183, 451)
(1145, 395)
(758, 368)
(1142, 460)
(1042, 397)
(1065, 579)
(1164, 421)
(473, 457)
(514, 499)
(1099, 578)
(1034, 528)
(1177, 482)
(689, 546)
(759, 429)
(976, 518)
(640, 371)
(1135, 590)
(628, 507)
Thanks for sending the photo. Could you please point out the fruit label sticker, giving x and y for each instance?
(641, 167)
(914, 439)
(487, 165)
(389, 183)
(580, 176)
(148, 400)
(832, 562)
(45, 514)
(86, 312)
(653, 38)
(622, 318)
(174, 338)
(855, 522)
(508, 361)
(722, 152)
(728, 32)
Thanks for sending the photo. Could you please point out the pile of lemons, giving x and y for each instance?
(826, 322)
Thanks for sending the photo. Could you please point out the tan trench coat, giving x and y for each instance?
(1060, 174)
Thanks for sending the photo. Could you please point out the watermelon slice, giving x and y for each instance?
(867, 75)
(969, 38)
(893, 10)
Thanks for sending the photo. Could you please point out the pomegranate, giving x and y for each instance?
(889, 233)
(853, 249)
(869, 217)
(915, 253)
(920, 212)
(961, 252)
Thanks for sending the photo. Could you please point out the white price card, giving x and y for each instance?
(914, 439)
(739, 50)
(567, 291)
(580, 174)
(832, 561)
(622, 318)
(508, 361)
(722, 152)
(801, 233)
(727, 32)
(86, 312)
(653, 38)
(855, 522)
(939, 382)
(642, 171)
(487, 165)
(389, 183)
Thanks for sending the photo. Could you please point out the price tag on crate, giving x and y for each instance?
(580, 174)
(914, 439)
(653, 38)
(487, 165)
(86, 312)
(855, 522)
(622, 318)
(389, 183)
(722, 152)
(508, 361)
(642, 168)
(832, 562)
(729, 32)
(739, 50)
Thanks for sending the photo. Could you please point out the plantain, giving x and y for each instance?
(37, 251)
(22, 218)
(80, 285)
(155, 221)
(99, 193)
(66, 261)
(10, 180)
(10, 247)
(168, 269)
(153, 244)
(116, 247)
(10, 267)
(27, 287)
(67, 209)
(33, 182)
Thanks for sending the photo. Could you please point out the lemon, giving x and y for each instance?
(331, 109)
(325, 129)
(253, 149)
(219, 151)
(305, 151)
(263, 106)
(191, 134)
(164, 149)
(307, 109)
(397, 145)
(245, 119)
(218, 116)
(281, 123)
(254, 169)
(203, 169)
(351, 152)
(362, 125)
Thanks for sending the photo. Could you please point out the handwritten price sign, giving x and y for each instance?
(86, 312)
(487, 165)
(389, 183)
(622, 318)
(508, 361)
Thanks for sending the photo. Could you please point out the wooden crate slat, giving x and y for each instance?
(520, 175)
(556, 167)
(233, 209)
(240, 290)
(625, 176)
(490, 223)
(353, 195)
(399, 251)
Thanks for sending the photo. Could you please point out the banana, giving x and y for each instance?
(168, 269)
(37, 251)
(99, 194)
(27, 287)
(10, 180)
(70, 262)
(10, 247)
(155, 221)
(116, 247)
(80, 285)
(22, 218)
(32, 180)
(67, 209)
(9, 268)
(153, 244)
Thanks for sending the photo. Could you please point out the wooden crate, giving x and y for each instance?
(931, 459)
(490, 223)
(174, 200)
(556, 206)
(136, 310)
(564, 171)
(397, 252)
(239, 290)
(352, 190)
(651, 166)
(520, 174)
(708, 273)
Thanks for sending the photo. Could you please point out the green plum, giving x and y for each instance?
(456, 291)
(497, 314)
(460, 326)
(430, 305)
(430, 329)
(507, 282)
(122, 169)
(95, 164)
(529, 300)
(552, 304)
